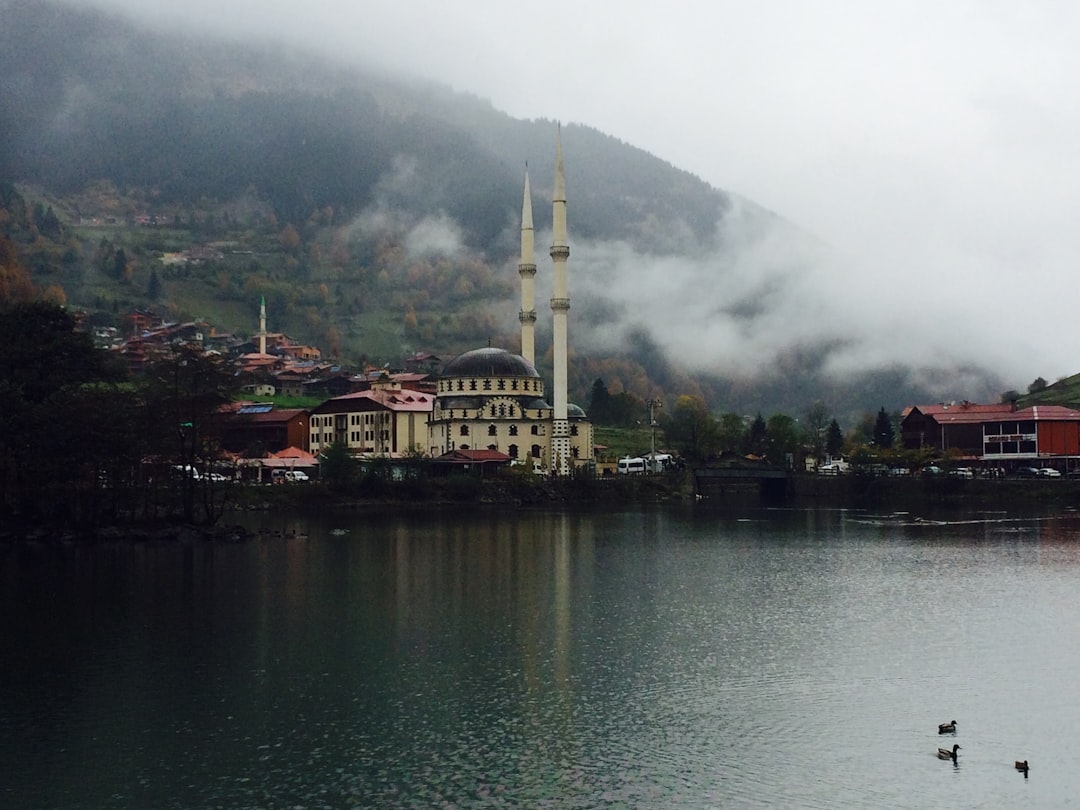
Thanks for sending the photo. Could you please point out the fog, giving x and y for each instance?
(930, 149)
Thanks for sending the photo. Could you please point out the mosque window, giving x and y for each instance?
(493, 447)
(494, 410)
(513, 385)
(492, 430)
(502, 385)
(487, 385)
(573, 430)
(535, 430)
(512, 451)
(512, 411)
(535, 451)
(460, 385)
(464, 430)
(513, 430)
(472, 385)
(574, 452)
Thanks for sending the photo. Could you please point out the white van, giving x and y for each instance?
(660, 462)
(281, 476)
(631, 466)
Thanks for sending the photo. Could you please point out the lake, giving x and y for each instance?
(716, 655)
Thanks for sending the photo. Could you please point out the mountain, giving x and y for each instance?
(379, 216)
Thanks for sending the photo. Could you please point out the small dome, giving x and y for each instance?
(575, 411)
(489, 362)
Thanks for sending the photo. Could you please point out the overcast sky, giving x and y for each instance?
(934, 144)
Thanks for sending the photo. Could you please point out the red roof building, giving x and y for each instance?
(997, 433)
(386, 420)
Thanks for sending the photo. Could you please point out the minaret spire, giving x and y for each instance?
(527, 271)
(262, 325)
(560, 304)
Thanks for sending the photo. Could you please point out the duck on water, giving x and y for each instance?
(945, 753)
(947, 728)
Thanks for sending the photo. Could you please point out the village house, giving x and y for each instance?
(1000, 434)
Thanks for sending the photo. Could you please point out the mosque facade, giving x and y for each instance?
(491, 399)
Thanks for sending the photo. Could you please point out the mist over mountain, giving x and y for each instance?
(406, 201)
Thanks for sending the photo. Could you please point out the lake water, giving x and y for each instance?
(686, 657)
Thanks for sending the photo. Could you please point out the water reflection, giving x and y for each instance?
(646, 658)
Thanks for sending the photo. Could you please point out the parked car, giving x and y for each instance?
(962, 472)
(1027, 472)
(1049, 472)
(833, 468)
(288, 476)
(932, 469)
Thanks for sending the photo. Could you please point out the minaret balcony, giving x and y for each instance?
(560, 304)
(559, 252)
(527, 269)
(527, 317)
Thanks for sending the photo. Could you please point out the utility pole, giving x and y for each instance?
(653, 404)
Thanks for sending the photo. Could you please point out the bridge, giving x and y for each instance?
(774, 482)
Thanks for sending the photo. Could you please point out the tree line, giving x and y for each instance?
(84, 443)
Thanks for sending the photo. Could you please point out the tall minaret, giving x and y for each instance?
(262, 325)
(527, 270)
(560, 304)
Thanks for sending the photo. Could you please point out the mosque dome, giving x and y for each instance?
(575, 411)
(489, 362)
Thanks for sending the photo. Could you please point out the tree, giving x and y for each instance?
(1012, 395)
(600, 403)
(731, 433)
(782, 439)
(884, 434)
(120, 264)
(185, 392)
(691, 429)
(814, 424)
(153, 287)
(47, 423)
(834, 439)
(15, 283)
(755, 440)
(289, 238)
(337, 467)
(1038, 384)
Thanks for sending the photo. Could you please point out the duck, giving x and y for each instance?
(945, 753)
(1022, 766)
(947, 728)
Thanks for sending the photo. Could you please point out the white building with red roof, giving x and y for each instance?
(387, 420)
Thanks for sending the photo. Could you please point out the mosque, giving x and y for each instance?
(491, 399)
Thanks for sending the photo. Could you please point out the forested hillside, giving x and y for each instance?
(378, 217)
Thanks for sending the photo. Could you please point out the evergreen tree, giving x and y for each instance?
(600, 403)
(834, 439)
(759, 434)
(120, 263)
(153, 287)
(884, 434)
